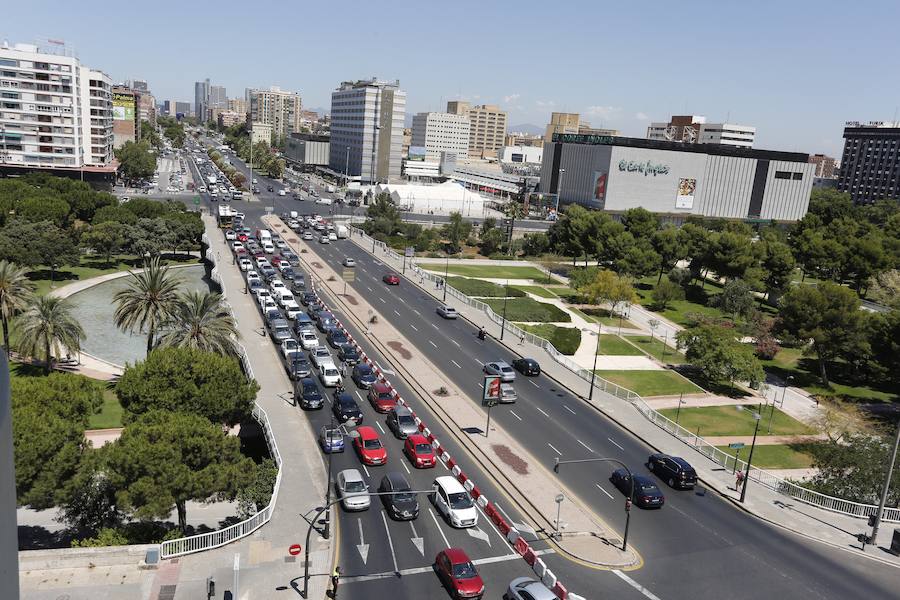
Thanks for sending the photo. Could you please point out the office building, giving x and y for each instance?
(870, 164)
(367, 118)
(278, 108)
(177, 109)
(571, 123)
(487, 127)
(261, 132)
(693, 129)
(239, 105)
(201, 100)
(217, 97)
(524, 139)
(675, 179)
(441, 132)
(126, 116)
(305, 150)
(825, 165)
(55, 112)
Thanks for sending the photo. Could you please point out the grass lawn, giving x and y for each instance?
(613, 345)
(776, 456)
(655, 348)
(494, 272)
(485, 289)
(651, 383)
(529, 310)
(602, 316)
(536, 290)
(564, 339)
(728, 420)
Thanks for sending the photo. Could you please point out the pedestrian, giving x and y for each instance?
(739, 479)
(335, 579)
(343, 369)
(522, 340)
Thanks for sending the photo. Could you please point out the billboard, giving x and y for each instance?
(123, 107)
(599, 186)
(491, 390)
(685, 197)
(416, 153)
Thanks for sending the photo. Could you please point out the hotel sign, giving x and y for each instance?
(647, 168)
(579, 138)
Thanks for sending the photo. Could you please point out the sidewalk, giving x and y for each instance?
(832, 528)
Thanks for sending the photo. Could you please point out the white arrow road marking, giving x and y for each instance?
(418, 542)
(430, 568)
(476, 532)
(390, 542)
(446, 543)
(362, 546)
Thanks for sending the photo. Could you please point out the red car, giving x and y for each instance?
(381, 398)
(275, 260)
(458, 573)
(242, 237)
(419, 451)
(391, 279)
(369, 447)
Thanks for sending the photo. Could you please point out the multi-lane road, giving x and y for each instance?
(697, 546)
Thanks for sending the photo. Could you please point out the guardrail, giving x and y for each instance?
(831, 503)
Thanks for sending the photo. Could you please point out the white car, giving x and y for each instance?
(292, 309)
(289, 346)
(308, 339)
(201, 189)
(246, 264)
(262, 261)
(281, 192)
(262, 295)
(320, 355)
(353, 490)
(284, 265)
(269, 303)
(284, 299)
(324, 239)
(268, 247)
(279, 243)
(307, 236)
(329, 375)
(239, 215)
(237, 246)
(349, 262)
(277, 284)
(230, 235)
(454, 502)
(332, 237)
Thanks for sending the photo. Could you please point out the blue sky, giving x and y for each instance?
(795, 70)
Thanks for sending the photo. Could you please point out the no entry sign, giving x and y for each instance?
(294, 550)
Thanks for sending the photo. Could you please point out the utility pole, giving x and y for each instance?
(758, 418)
(594, 370)
(505, 298)
(887, 487)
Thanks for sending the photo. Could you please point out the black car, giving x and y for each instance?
(307, 394)
(363, 376)
(336, 337)
(271, 188)
(255, 284)
(527, 366)
(348, 354)
(398, 499)
(298, 367)
(298, 286)
(272, 314)
(315, 308)
(303, 322)
(288, 274)
(307, 298)
(345, 408)
(646, 493)
(674, 470)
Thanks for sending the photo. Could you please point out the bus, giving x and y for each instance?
(226, 216)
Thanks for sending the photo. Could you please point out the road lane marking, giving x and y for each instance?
(585, 445)
(430, 568)
(414, 327)
(515, 415)
(636, 585)
(433, 325)
(368, 288)
(362, 546)
(615, 444)
(568, 409)
(379, 427)
(396, 313)
(390, 541)
(534, 384)
(417, 312)
(457, 343)
(551, 445)
(456, 363)
(432, 343)
(604, 491)
(383, 301)
(408, 472)
(417, 541)
(542, 412)
(443, 535)
(370, 476)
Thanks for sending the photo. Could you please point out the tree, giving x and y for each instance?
(666, 292)
(568, 234)
(188, 380)
(513, 210)
(609, 287)
(150, 135)
(826, 316)
(455, 231)
(275, 168)
(105, 238)
(136, 161)
(778, 264)
(15, 294)
(49, 330)
(865, 258)
(202, 321)
(491, 241)
(54, 210)
(258, 493)
(732, 254)
(885, 288)
(383, 217)
(486, 225)
(736, 299)
(852, 468)
(115, 214)
(165, 459)
(32, 244)
(150, 237)
(639, 260)
(885, 344)
(640, 223)
(149, 300)
(536, 244)
(697, 247)
(719, 355)
(670, 248)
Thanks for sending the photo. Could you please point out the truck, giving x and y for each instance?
(342, 232)
(211, 180)
(330, 188)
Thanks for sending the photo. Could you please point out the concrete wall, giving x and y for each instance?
(787, 199)
(649, 178)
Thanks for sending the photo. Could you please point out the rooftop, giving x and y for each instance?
(713, 149)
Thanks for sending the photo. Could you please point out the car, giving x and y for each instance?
(458, 574)
(674, 470)
(448, 312)
(368, 447)
(229, 235)
(254, 284)
(499, 367)
(348, 354)
(454, 502)
(332, 237)
(292, 309)
(507, 394)
(527, 366)
(336, 338)
(270, 188)
(352, 490)
(391, 279)
(319, 355)
(245, 264)
(287, 272)
(238, 247)
(646, 492)
(262, 295)
(281, 331)
(345, 408)
(277, 284)
(329, 375)
(303, 322)
(281, 192)
(526, 588)
(323, 239)
(363, 376)
(297, 366)
(288, 347)
(268, 247)
(381, 397)
(398, 498)
(246, 240)
(419, 451)
(349, 262)
(307, 395)
(308, 339)
(307, 236)
(307, 298)
(401, 422)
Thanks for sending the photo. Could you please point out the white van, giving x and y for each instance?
(454, 502)
(342, 232)
(283, 296)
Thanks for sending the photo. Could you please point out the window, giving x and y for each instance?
(798, 176)
(782, 174)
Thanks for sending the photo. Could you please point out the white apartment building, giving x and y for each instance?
(276, 107)
(54, 112)
(439, 132)
(367, 130)
(728, 134)
(693, 129)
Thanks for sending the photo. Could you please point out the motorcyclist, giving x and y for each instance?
(482, 333)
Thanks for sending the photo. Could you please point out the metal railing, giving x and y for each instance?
(778, 484)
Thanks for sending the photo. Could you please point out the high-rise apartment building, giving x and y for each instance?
(441, 132)
(239, 105)
(693, 129)
(870, 164)
(217, 97)
(824, 165)
(201, 100)
(487, 127)
(54, 111)
(278, 108)
(571, 123)
(126, 115)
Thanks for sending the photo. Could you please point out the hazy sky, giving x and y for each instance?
(795, 70)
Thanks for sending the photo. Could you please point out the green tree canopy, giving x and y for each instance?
(719, 355)
(666, 292)
(32, 244)
(383, 216)
(136, 161)
(456, 230)
(105, 238)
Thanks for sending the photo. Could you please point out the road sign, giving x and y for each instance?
(197, 200)
(736, 445)
(491, 395)
(410, 252)
(294, 549)
(348, 274)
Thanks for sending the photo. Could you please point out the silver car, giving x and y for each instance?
(501, 368)
(400, 421)
(448, 312)
(525, 588)
(352, 490)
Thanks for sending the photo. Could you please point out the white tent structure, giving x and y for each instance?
(440, 199)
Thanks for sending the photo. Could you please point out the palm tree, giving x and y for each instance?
(48, 328)
(201, 320)
(15, 292)
(148, 301)
(513, 210)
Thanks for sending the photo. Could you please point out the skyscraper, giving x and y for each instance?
(277, 108)
(217, 97)
(870, 164)
(441, 132)
(201, 100)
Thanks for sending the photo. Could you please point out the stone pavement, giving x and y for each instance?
(835, 529)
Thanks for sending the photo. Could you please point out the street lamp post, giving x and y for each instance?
(505, 298)
(327, 532)
(678, 410)
(446, 273)
(347, 168)
(559, 188)
(887, 486)
(594, 370)
(757, 417)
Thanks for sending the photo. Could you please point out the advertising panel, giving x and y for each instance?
(685, 197)
(416, 153)
(491, 395)
(599, 186)
(123, 107)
